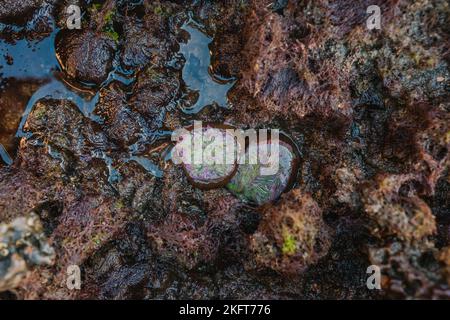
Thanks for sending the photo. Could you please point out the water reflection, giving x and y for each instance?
(197, 74)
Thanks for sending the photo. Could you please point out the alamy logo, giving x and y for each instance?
(73, 17)
(73, 281)
(374, 21)
(374, 280)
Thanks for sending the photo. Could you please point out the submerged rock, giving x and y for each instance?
(22, 244)
(85, 56)
(251, 185)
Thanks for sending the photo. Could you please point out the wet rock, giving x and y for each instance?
(66, 146)
(18, 11)
(126, 127)
(412, 270)
(123, 125)
(279, 6)
(61, 123)
(178, 195)
(227, 45)
(101, 220)
(225, 69)
(22, 245)
(48, 212)
(138, 45)
(347, 14)
(433, 145)
(126, 282)
(85, 225)
(291, 235)
(194, 224)
(180, 238)
(358, 103)
(123, 266)
(225, 221)
(347, 184)
(21, 191)
(140, 190)
(281, 84)
(439, 204)
(146, 40)
(85, 56)
(251, 184)
(414, 66)
(50, 115)
(152, 93)
(395, 213)
(444, 257)
(290, 85)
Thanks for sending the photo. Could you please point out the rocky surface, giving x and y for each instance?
(368, 111)
(18, 11)
(22, 245)
(85, 56)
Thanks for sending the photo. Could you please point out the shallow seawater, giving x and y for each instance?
(6, 158)
(25, 61)
(196, 73)
(35, 61)
(28, 59)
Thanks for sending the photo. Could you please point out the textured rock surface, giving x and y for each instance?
(11, 10)
(368, 110)
(291, 236)
(22, 245)
(85, 56)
